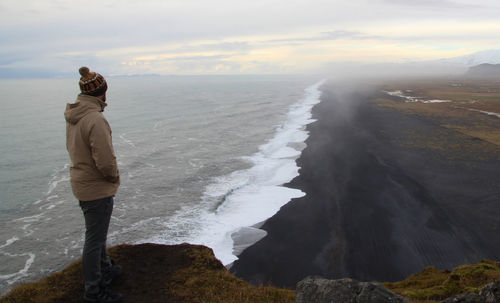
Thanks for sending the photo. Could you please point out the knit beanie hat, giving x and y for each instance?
(91, 83)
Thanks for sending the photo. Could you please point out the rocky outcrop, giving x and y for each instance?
(489, 294)
(468, 298)
(320, 290)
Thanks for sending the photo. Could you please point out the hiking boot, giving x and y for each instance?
(110, 274)
(103, 296)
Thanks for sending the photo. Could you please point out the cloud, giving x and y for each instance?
(194, 58)
(427, 3)
(328, 36)
(443, 4)
(185, 65)
(197, 47)
(416, 32)
(346, 34)
(58, 34)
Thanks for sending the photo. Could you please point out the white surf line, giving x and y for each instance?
(400, 94)
(9, 241)
(157, 124)
(56, 180)
(122, 136)
(233, 204)
(256, 194)
(23, 272)
(34, 218)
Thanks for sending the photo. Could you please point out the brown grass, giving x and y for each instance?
(54, 288)
(155, 274)
(207, 282)
(462, 115)
(433, 285)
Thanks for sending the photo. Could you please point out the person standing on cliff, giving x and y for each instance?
(94, 180)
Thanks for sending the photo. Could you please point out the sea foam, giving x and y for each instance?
(234, 204)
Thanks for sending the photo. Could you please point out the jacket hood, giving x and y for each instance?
(83, 105)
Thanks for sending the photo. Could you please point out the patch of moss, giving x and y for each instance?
(432, 284)
(207, 282)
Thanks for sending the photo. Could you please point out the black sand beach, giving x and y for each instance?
(383, 198)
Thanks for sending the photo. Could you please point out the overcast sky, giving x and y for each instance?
(235, 37)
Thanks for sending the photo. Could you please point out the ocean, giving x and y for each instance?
(202, 160)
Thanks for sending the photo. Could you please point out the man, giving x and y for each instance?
(94, 181)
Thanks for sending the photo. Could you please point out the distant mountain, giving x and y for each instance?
(136, 75)
(456, 66)
(488, 56)
(484, 70)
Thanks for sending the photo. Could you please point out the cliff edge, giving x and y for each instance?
(186, 273)
(154, 273)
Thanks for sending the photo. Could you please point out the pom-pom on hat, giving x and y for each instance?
(91, 83)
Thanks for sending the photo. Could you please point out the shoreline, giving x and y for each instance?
(378, 206)
(280, 167)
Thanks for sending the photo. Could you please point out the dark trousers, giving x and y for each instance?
(97, 215)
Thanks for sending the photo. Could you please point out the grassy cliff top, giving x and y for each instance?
(191, 273)
(432, 284)
(155, 273)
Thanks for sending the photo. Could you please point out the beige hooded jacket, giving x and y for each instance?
(93, 171)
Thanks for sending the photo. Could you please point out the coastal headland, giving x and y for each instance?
(397, 177)
(401, 182)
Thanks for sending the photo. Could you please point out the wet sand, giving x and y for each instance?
(380, 204)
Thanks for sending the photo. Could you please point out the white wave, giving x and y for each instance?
(244, 207)
(132, 227)
(157, 124)
(247, 197)
(129, 142)
(27, 232)
(14, 277)
(9, 242)
(57, 178)
(29, 219)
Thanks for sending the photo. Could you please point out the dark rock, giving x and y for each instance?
(320, 290)
(489, 294)
(468, 298)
